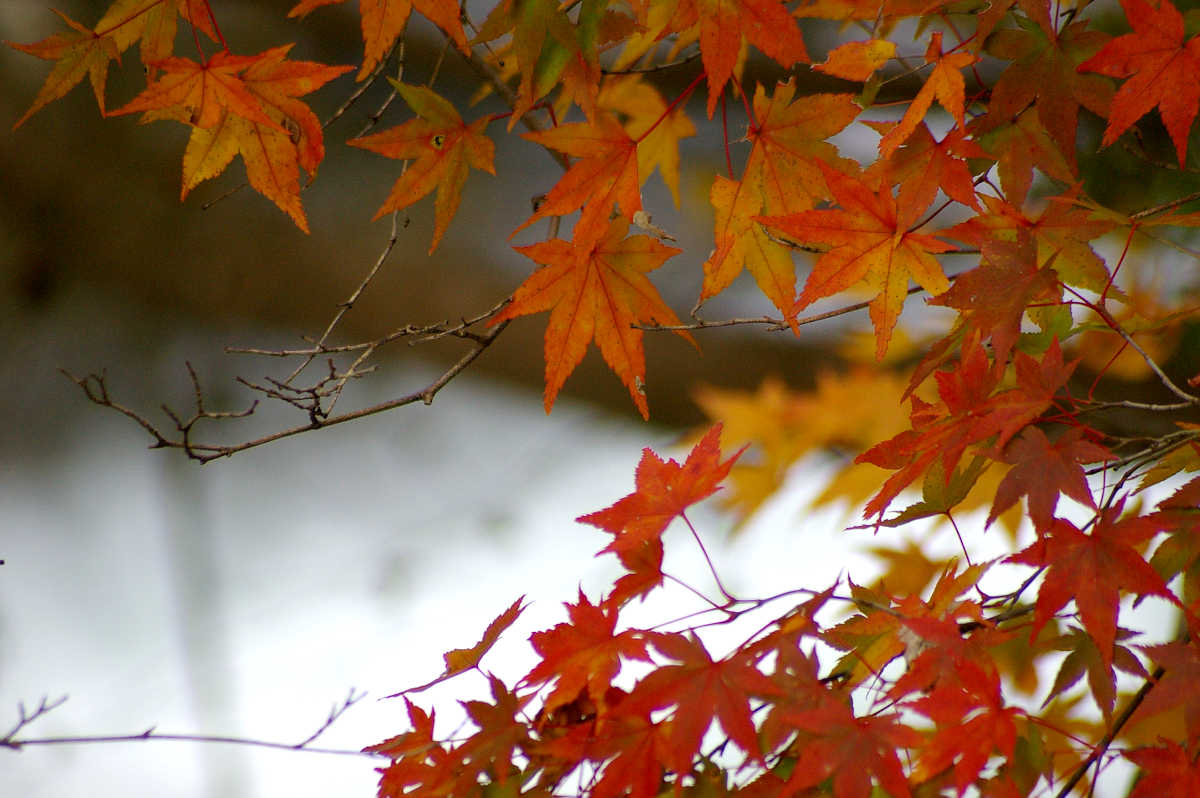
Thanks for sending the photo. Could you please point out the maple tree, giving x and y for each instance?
(980, 212)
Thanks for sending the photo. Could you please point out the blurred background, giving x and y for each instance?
(248, 596)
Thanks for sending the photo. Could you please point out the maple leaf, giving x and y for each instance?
(1042, 470)
(1168, 771)
(384, 20)
(968, 415)
(420, 764)
(597, 289)
(1161, 68)
(857, 60)
(1177, 688)
(200, 92)
(1060, 232)
(972, 724)
(852, 750)
(1092, 568)
(441, 147)
(583, 654)
(870, 242)
(1043, 74)
(607, 174)
(945, 84)
(664, 491)
(464, 659)
(501, 734)
(656, 128)
(781, 176)
(1019, 144)
(993, 296)
(1179, 516)
(725, 24)
(702, 690)
(1084, 657)
(549, 49)
(79, 53)
(243, 105)
(88, 51)
(922, 165)
(633, 749)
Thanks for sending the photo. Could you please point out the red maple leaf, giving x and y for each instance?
(664, 490)
(973, 722)
(1161, 68)
(994, 295)
(1042, 470)
(968, 415)
(701, 689)
(854, 751)
(1179, 686)
(1092, 568)
(584, 653)
(1042, 75)
(1168, 771)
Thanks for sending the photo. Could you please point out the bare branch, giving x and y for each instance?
(25, 718)
(305, 399)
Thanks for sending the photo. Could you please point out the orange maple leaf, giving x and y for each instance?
(606, 174)
(1161, 69)
(384, 20)
(200, 92)
(725, 24)
(243, 105)
(781, 176)
(81, 52)
(651, 123)
(871, 243)
(88, 51)
(441, 146)
(597, 289)
(945, 84)
(857, 61)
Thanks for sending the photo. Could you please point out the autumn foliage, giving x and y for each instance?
(1042, 399)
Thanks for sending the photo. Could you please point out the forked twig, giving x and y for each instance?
(15, 743)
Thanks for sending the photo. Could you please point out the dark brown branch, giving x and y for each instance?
(1118, 723)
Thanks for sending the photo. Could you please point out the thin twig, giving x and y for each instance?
(96, 390)
(348, 303)
(25, 718)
